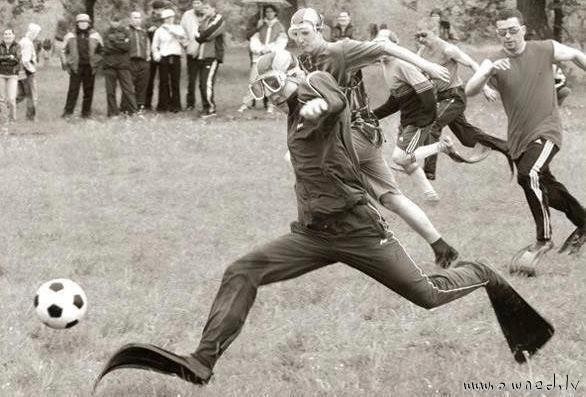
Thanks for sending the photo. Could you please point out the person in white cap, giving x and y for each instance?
(342, 59)
(80, 57)
(167, 50)
(29, 65)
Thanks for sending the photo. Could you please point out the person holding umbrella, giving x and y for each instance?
(270, 36)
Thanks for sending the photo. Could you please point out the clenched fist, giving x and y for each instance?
(314, 108)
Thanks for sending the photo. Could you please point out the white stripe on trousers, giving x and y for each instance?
(534, 180)
(414, 142)
(210, 85)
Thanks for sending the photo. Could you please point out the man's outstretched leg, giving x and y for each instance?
(387, 262)
(287, 257)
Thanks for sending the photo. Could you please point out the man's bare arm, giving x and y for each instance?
(563, 53)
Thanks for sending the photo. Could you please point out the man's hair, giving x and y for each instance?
(508, 13)
(158, 4)
(272, 8)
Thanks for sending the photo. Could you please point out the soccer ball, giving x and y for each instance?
(60, 303)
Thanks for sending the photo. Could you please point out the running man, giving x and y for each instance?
(521, 73)
(336, 223)
(413, 94)
(341, 59)
(452, 97)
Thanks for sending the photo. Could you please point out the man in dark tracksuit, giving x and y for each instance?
(117, 68)
(336, 223)
(441, 52)
(210, 54)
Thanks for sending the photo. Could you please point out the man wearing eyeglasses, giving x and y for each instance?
(521, 73)
(452, 99)
(336, 223)
(341, 59)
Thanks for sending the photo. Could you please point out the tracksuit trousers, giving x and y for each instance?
(467, 134)
(542, 190)
(206, 70)
(305, 250)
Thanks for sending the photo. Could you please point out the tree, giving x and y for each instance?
(535, 18)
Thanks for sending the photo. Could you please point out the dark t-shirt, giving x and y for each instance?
(528, 95)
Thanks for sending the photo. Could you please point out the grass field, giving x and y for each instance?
(146, 213)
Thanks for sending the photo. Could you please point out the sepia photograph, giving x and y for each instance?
(292, 198)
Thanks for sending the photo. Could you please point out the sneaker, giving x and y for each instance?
(574, 242)
(153, 358)
(270, 109)
(479, 153)
(243, 108)
(525, 261)
(445, 254)
(206, 115)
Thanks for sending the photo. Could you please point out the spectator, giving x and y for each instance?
(140, 55)
(10, 58)
(190, 23)
(270, 36)
(80, 57)
(343, 28)
(210, 37)
(117, 67)
(29, 65)
(151, 25)
(167, 50)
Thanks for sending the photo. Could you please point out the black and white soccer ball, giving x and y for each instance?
(60, 303)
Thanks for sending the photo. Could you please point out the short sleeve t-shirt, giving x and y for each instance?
(528, 95)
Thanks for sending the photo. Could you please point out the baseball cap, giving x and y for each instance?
(167, 13)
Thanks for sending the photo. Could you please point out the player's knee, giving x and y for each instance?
(239, 272)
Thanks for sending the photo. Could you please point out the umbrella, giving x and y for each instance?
(277, 3)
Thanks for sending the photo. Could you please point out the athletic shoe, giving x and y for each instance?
(243, 108)
(208, 115)
(153, 358)
(525, 330)
(574, 242)
(445, 254)
(270, 109)
(525, 261)
(479, 153)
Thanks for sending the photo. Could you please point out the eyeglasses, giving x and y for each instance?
(272, 81)
(420, 34)
(512, 31)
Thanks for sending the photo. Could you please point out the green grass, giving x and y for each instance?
(146, 213)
